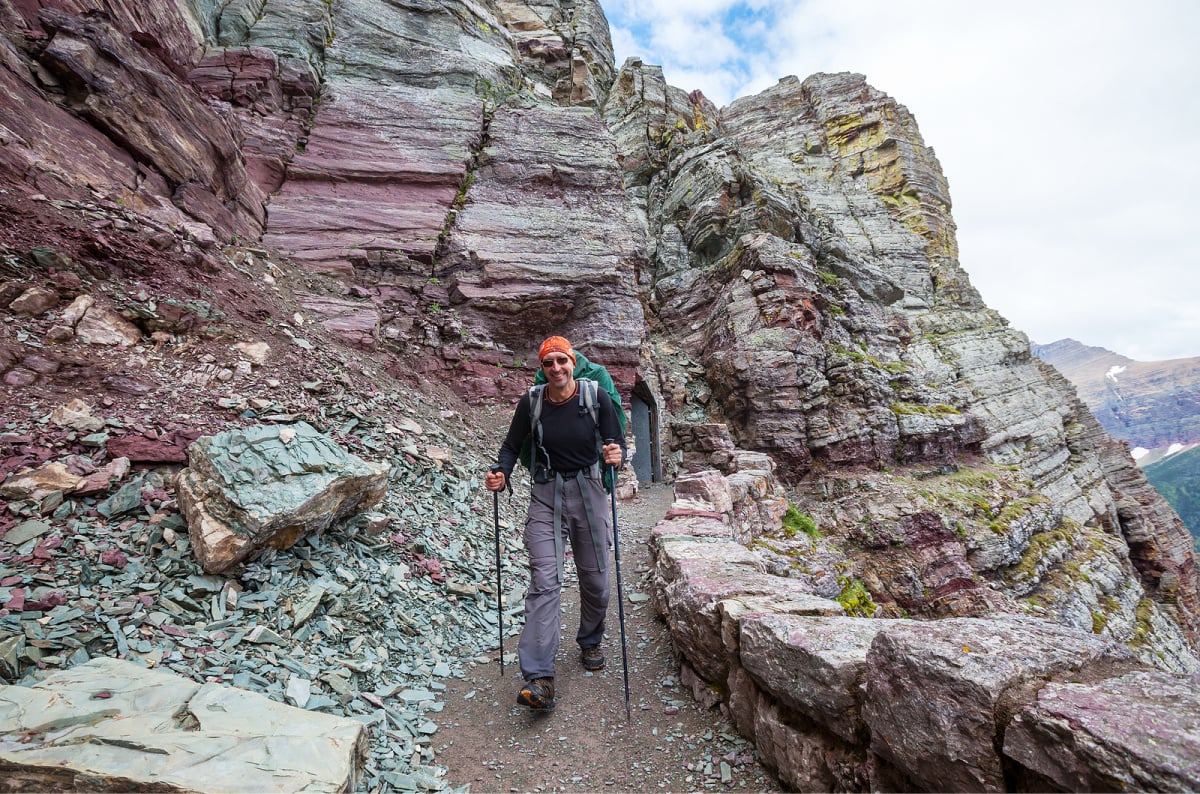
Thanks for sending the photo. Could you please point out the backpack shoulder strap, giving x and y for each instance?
(588, 389)
(536, 393)
(587, 394)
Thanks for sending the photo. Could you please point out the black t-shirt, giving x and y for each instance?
(568, 433)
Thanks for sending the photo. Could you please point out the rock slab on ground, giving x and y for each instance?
(114, 725)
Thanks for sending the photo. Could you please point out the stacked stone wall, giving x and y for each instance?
(838, 702)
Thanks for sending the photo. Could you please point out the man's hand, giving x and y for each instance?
(611, 452)
(494, 481)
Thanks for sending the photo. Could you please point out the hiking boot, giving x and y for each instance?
(592, 658)
(538, 694)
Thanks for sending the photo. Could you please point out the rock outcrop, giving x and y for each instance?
(806, 281)
(839, 702)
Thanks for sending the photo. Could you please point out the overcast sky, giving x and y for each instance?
(1069, 133)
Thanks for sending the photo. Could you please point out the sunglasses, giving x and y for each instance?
(552, 361)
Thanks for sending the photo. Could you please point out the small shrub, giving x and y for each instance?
(794, 521)
(854, 598)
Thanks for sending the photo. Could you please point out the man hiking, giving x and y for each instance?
(566, 418)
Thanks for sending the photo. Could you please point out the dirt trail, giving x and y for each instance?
(586, 744)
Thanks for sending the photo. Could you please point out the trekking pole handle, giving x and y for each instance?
(496, 467)
(608, 441)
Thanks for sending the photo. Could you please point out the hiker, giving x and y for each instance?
(568, 499)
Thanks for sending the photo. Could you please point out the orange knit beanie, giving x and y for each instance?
(556, 344)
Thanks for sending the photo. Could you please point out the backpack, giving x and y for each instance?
(591, 377)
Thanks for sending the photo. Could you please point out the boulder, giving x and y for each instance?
(77, 415)
(102, 326)
(113, 725)
(71, 315)
(248, 489)
(813, 665)
(39, 482)
(34, 301)
(1139, 732)
(937, 693)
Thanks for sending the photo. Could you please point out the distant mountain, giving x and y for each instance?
(1177, 478)
(1150, 404)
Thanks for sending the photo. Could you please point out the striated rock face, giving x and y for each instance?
(120, 121)
(438, 177)
(805, 275)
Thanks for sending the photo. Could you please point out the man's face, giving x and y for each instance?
(558, 368)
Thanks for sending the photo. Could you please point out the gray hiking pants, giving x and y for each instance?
(541, 636)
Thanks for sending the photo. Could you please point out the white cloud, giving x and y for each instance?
(1067, 132)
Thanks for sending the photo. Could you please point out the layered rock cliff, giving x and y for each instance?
(448, 182)
(805, 274)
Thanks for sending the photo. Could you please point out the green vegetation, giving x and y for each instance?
(1039, 547)
(1177, 478)
(941, 409)
(1143, 626)
(861, 357)
(974, 497)
(794, 521)
(855, 599)
(906, 197)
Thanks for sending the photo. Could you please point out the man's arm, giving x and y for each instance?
(610, 426)
(518, 430)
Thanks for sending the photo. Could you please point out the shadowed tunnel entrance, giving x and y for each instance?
(647, 458)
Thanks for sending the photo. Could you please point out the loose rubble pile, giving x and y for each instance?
(96, 560)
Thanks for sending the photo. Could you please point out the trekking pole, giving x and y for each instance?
(620, 589)
(499, 585)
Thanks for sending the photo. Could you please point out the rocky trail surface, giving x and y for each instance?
(669, 742)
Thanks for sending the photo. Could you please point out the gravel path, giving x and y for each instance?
(670, 743)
